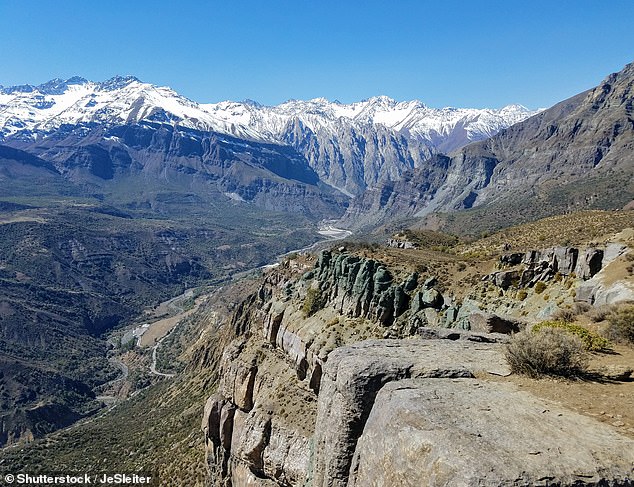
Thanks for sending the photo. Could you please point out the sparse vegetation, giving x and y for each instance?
(590, 340)
(539, 287)
(565, 229)
(599, 313)
(621, 324)
(547, 351)
(569, 314)
(313, 302)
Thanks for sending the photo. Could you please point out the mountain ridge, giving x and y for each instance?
(535, 168)
(351, 146)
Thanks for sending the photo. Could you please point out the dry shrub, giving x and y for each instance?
(600, 313)
(548, 351)
(591, 340)
(569, 314)
(621, 324)
(313, 302)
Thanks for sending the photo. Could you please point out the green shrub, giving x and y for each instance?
(313, 302)
(548, 351)
(590, 340)
(539, 287)
(522, 295)
(621, 324)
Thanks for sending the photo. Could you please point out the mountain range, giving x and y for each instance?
(350, 147)
(120, 194)
(578, 154)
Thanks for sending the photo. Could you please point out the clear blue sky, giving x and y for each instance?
(445, 53)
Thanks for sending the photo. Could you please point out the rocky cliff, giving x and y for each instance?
(357, 372)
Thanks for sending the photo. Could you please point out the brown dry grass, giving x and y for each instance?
(608, 401)
(572, 229)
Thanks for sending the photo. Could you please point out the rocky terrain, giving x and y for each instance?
(120, 194)
(382, 363)
(370, 364)
(362, 372)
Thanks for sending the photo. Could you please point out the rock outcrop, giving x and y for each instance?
(467, 432)
(358, 287)
(543, 265)
(354, 375)
(305, 400)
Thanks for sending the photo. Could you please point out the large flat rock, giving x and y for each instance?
(465, 432)
(354, 374)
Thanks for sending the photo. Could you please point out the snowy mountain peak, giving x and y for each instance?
(32, 111)
(382, 100)
(118, 82)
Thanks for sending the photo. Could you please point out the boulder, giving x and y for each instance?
(589, 263)
(504, 279)
(463, 432)
(354, 374)
(454, 334)
(431, 298)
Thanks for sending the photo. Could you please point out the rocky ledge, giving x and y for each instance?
(305, 399)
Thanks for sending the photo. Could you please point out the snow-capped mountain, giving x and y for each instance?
(355, 146)
(413, 118)
(350, 146)
(39, 110)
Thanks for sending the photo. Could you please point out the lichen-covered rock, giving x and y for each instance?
(411, 282)
(432, 298)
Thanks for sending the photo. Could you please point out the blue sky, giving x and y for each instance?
(445, 53)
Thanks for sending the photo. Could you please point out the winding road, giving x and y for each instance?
(154, 349)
